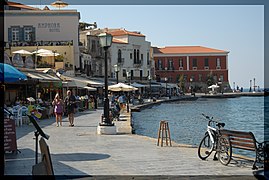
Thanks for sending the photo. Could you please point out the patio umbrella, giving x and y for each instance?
(9, 73)
(22, 52)
(59, 4)
(121, 87)
(39, 51)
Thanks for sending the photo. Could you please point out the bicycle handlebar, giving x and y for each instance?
(210, 118)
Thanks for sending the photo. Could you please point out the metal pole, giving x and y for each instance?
(106, 120)
(117, 74)
(254, 86)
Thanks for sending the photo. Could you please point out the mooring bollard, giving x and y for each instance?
(164, 133)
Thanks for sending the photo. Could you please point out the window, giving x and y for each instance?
(137, 55)
(131, 56)
(160, 64)
(134, 56)
(171, 64)
(206, 62)
(124, 74)
(218, 62)
(147, 58)
(27, 34)
(194, 63)
(141, 56)
(180, 62)
(200, 77)
(119, 56)
(15, 33)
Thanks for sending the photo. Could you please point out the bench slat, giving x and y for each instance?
(241, 139)
(243, 147)
(247, 145)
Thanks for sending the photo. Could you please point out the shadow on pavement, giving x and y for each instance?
(79, 156)
(26, 159)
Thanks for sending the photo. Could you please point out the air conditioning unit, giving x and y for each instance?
(180, 68)
(218, 67)
(206, 67)
(194, 68)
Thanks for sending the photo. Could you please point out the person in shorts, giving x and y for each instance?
(58, 109)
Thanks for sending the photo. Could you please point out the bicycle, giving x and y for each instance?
(214, 141)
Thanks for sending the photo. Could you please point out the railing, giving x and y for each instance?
(41, 43)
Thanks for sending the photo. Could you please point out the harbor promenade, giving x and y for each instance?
(80, 151)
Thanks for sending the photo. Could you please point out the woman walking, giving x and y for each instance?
(70, 101)
(58, 109)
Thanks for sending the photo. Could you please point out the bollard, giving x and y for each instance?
(164, 133)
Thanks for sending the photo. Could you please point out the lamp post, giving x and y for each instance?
(191, 84)
(117, 70)
(106, 41)
(128, 75)
(149, 78)
(254, 86)
(220, 83)
(250, 85)
(165, 79)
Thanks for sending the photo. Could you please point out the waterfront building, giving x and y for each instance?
(193, 68)
(32, 29)
(129, 51)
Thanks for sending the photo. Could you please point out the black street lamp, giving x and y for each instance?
(250, 85)
(128, 75)
(191, 84)
(220, 85)
(106, 41)
(149, 78)
(117, 70)
(165, 79)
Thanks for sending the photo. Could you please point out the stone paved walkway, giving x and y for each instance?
(79, 150)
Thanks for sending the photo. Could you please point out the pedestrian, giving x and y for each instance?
(58, 109)
(70, 102)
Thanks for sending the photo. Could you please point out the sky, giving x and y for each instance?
(238, 29)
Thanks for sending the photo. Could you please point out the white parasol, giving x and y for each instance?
(213, 87)
(121, 87)
(22, 52)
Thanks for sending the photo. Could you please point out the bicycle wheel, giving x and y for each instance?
(224, 150)
(205, 147)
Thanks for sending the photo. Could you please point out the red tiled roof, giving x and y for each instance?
(122, 32)
(19, 5)
(118, 41)
(188, 50)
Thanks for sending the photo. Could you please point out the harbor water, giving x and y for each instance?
(188, 126)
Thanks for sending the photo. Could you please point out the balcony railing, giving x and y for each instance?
(41, 43)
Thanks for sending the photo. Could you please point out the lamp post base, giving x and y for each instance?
(109, 130)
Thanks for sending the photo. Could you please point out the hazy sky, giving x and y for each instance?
(238, 29)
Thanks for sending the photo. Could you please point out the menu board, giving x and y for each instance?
(10, 141)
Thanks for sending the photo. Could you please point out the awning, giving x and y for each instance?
(78, 84)
(79, 80)
(43, 77)
(137, 85)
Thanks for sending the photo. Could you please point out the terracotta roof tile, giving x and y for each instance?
(188, 50)
(19, 5)
(122, 32)
(118, 41)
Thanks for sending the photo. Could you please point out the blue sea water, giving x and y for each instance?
(187, 125)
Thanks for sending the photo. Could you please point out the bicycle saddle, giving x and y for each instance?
(220, 124)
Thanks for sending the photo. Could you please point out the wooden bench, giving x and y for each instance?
(248, 142)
